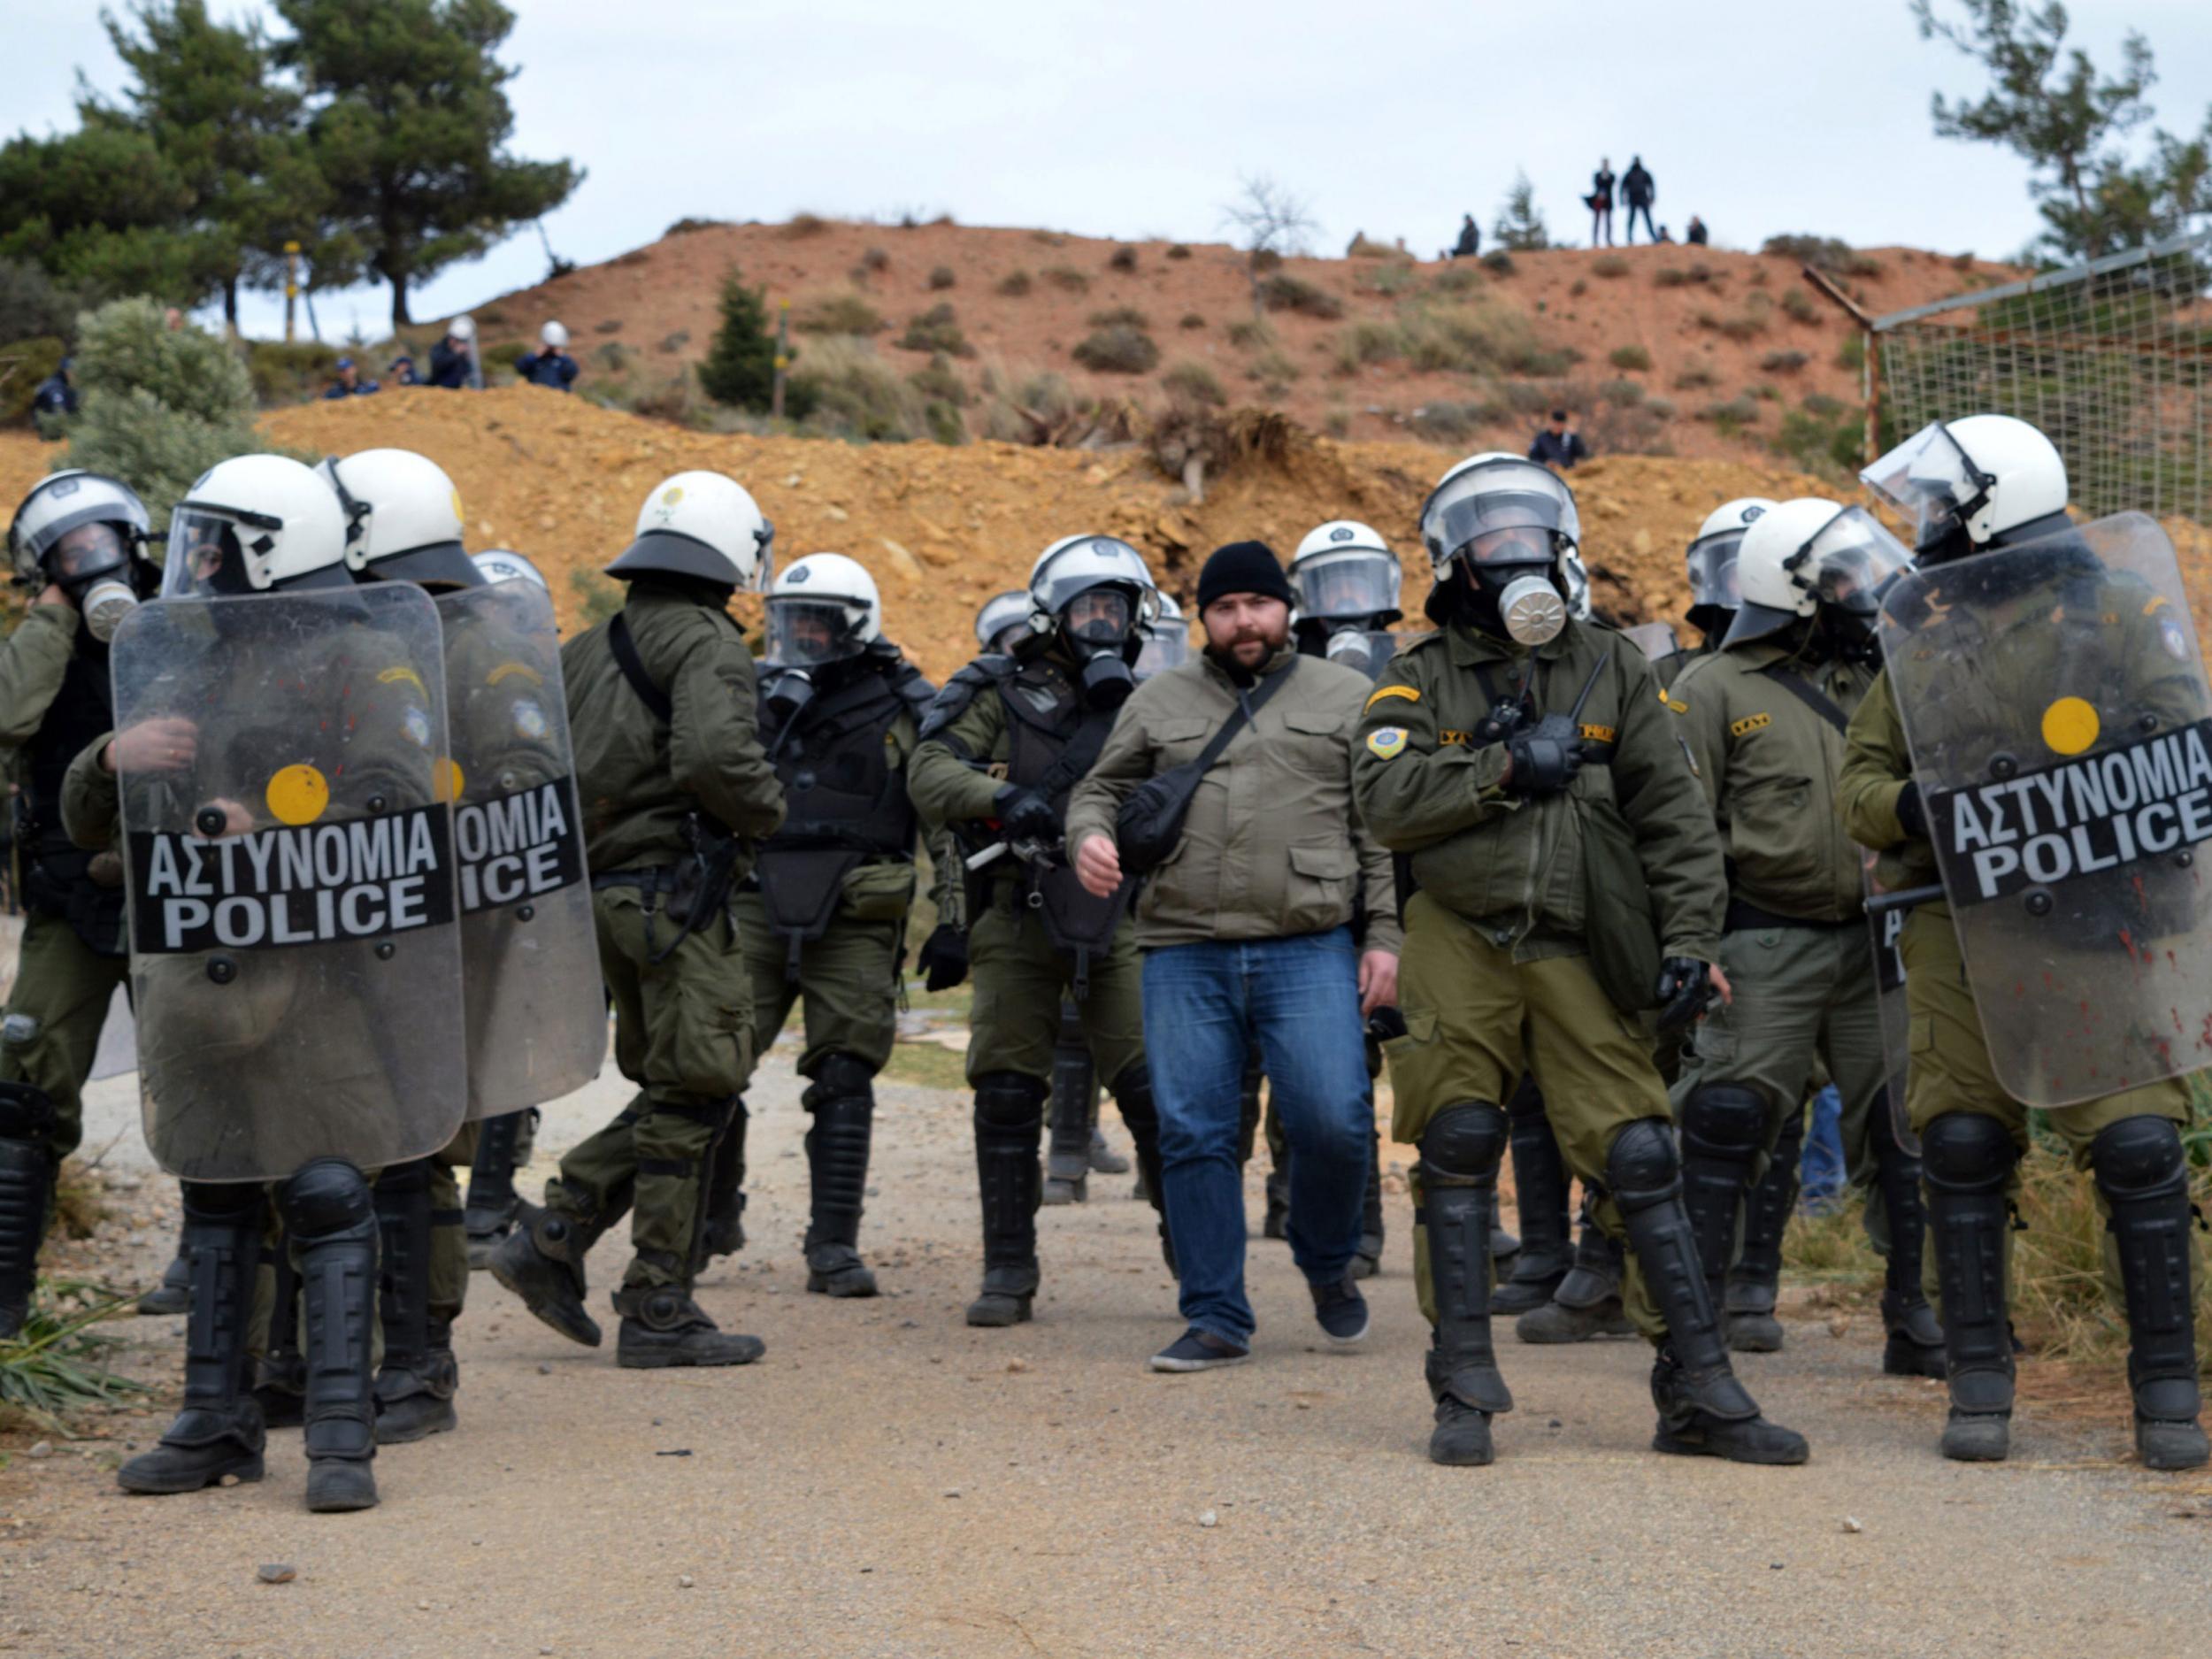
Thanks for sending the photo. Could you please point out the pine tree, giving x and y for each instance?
(1520, 227)
(741, 369)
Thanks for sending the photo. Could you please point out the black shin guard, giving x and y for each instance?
(1539, 1187)
(1897, 1174)
(2141, 1171)
(1008, 1119)
(330, 1212)
(490, 1205)
(1133, 1093)
(843, 1101)
(419, 1375)
(1758, 1269)
(26, 1185)
(1074, 1104)
(722, 1229)
(1459, 1153)
(283, 1378)
(1724, 1125)
(1969, 1159)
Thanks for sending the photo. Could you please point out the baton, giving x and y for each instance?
(1904, 898)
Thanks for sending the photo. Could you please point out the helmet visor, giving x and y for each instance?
(806, 633)
(1094, 562)
(1474, 514)
(1101, 616)
(998, 624)
(1931, 479)
(1166, 645)
(206, 558)
(1851, 561)
(88, 551)
(1358, 582)
(1712, 561)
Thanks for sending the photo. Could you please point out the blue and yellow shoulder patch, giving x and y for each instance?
(1407, 692)
(1387, 742)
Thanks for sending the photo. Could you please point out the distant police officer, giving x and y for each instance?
(1765, 720)
(549, 365)
(823, 913)
(77, 542)
(676, 793)
(1001, 750)
(1711, 562)
(2019, 645)
(1569, 881)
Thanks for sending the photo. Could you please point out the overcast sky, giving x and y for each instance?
(1136, 119)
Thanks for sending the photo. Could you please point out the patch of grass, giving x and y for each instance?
(1670, 276)
(1122, 259)
(1825, 253)
(1120, 317)
(1784, 362)
(1730, 418)
(1696, 378)
(1824, 436)
(1460, 279)
(1067, 278)
(1273, 367)
(1246, 333)
(1610, 266)
(675, 343)
(1191, 320)
(598, 597)
(1013, 285)
(1478, 339)
(1625, 358)
(1338, 423)
(1395, 278)
(54, 1367)
(1822, 406)
(611, 326)
(1625, 392)
(942, 276)
(1051, 238)
(850, 392)
(936, 329)
(1117, 350)
(1369, 340)
(1745, 326)
(1283, 292)
(839, 313)
(1798, 307)
(938, 381)
(1852, 353)
(1193, 382)
(876, 259)
(1497, 262)
(1454, 422)
(802, 226)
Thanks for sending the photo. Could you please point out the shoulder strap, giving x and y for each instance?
(633, 667)
(1807, 695)
(1247, 707)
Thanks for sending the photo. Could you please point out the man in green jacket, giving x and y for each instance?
(1765, 721)
(1245, 927)
(675, 793)
(1520, 763)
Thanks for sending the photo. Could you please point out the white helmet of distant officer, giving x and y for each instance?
(1497, 528)
(1712, 564)
(85, 534)
(403, 520)
(823, 611)
(553, 337)
(1811, 559)
(1003, 621)
(1345, 573)
(255, 524)
(1969, 485)
(1097, 592)
(703, 526)
(504, 565)
(1166, 642)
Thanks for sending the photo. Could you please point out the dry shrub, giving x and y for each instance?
(1365, 246)
(1191, 320)
(936, 329)
(838, 313)
(1629, 358)
(1784, 362)
(1609, 265)
(1696, 379)
(1368, 339)
(805, 225)
(1118, 349)
(942, 276)
(1120, 317)
(1122, 259)
(1066, 279)
(1193, 382)
(1013, 285)
(1283, 292)
(1177, 250)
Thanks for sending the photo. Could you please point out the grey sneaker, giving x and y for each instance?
(1341, 1312)
(1199, 1350)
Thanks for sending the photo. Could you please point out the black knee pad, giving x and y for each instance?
(1465, 1142)
(1526, 1102)
(1724, 1120)
(219, 1202)
(1967, 1152)
(26, 1112)
(1009, 1099)
(328, 1196)
(1642, 1166)
(842, 1075)
(2137, 1157)
(1133, 1093)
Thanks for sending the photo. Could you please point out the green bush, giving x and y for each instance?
(739, 369)
(1629, 358)
(1731, 417)
(941, 277)
(1852, 353)
(1825, 437)
(1784, 362)
(850, 392)
(1013, 285)
(1283, 292)
(940, 383)
(936, 329)
(1609, 265)
(1117, 350)
(160, 405)
(1825, 253)
(35, 306)
(1122, 259)
(1460, 279)
(1067, 278)
(24, 365)
(1626, 394)
(1798, 307)
(1120, 317)
(1369, 340)
(1192, 382)
(295, 372)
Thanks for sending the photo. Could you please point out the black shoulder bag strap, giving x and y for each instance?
(1809, 695)
(1247, 710)
(633, 667)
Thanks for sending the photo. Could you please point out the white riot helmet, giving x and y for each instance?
(553, 337)
(1508, 522)
(252, 524)
(85, 532)
(823, 609)
(1801, 555)
(1166, 642)
(702, 525)
(402, 519)
(1003, 622)
(1345, 572)
(1965, 483)
(461, 327)
(1711, 560)
(1098, 591)
(504, 565)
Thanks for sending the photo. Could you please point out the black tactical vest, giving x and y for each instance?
(56, 879)
(1051, 741)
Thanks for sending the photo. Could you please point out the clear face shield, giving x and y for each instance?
(1087, 565)
(1350, 586)
(1850, 563)
(207, 560)
(1099, 619)
(1933, 480)
(1002, 622)
(1712, 568)
(1166, 645)
(92, 565)
(810, 632)
(1509, 495)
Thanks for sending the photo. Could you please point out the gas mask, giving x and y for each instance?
(92, 565)
(104, 603)
(786, 695)
(1353, 648)
(1097, 624)
(1942, 540)
(1517, 602)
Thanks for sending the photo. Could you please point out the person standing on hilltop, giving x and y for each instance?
(1558, 444)
(1470, 242)
(1601, 201)
(1639, 192)
(453, 360)
(549, 365)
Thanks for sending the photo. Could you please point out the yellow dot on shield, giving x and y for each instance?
(297, 794)
(454, 780)
(2070, 725)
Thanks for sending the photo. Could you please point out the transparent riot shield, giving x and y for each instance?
(536, 1009)
(1655, 639)
(1886, 914)
(295, 954)
(1369, 650)
(2055, 700)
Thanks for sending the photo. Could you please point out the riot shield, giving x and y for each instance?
(1656, 640)
(1886, 926)
(295, 958)
(2054, 701)
(1369, 650)
(537, 1008)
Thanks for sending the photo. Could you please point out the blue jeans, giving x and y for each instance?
(1204, 1005)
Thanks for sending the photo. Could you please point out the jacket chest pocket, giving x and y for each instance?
(1178, 741)
(1316, 741)
(1771, 826)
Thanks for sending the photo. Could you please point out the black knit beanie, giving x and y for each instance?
(1243, 567)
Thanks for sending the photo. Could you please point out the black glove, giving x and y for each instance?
(1386, 1023)
(944, 959)
(1026, 815)
(1501, 723)
(1685, 987)
(1912, 816)
(1545, 758)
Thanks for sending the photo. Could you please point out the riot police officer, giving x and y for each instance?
(2022, 645)
(1764, 721)
(1001, 750)
(676, 792)
(78, 541)
(1569, 882)
(1711, 565)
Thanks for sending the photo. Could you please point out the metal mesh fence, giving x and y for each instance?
(2109, 358)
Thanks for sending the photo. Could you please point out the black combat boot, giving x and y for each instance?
(1008, 1120)
(416, 1384)
(281, 1379)
(1133, 1093)
(662, 1326)
(1540, 1186)
(26, 1187)
(1367, 1258)
(1704, 1409)
(1968, 1159)
(723, 1231)
(1072, 1110)
(844, 1104)
(490, 1210)
(2144, 1176)
(331, 1215)
(1755, 1278)
(543, 1262)
(219, 1431)
(1588, 1302)
(1914, 1345)
(1459, 1153)
(1724, 1125)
